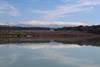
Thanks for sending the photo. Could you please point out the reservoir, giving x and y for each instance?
(49, 54)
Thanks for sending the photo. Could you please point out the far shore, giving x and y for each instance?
(47, 34)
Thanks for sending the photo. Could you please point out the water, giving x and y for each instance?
(49, 54)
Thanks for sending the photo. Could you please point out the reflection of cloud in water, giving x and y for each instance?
(48, 54)
(68, 60)
(6, 60)
(50, 46)
(43, 45)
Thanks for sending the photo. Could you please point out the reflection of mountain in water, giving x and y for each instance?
(92, 42)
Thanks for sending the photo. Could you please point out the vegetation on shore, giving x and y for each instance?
(43, 32)
(79, 35)
(90, 29)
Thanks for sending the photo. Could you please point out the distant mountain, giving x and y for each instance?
(5, 27)
(49, 25)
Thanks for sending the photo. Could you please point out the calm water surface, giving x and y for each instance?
(50, 54)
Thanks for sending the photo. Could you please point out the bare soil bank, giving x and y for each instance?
(47, 34)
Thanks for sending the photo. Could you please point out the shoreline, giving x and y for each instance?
(46, 34)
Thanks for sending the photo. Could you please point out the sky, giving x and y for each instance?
(49, 12)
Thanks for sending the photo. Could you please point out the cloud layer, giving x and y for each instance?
(47, 17)
(56, 23)
(65, 9)
(6, 8)
(38, 23)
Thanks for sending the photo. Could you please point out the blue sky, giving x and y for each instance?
(50, 12)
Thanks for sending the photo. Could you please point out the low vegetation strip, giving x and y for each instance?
(40, 32)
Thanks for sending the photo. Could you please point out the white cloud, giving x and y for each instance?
(6, 8)
(50, 23)
(90, 2)
(81, 5)
(41, 23)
